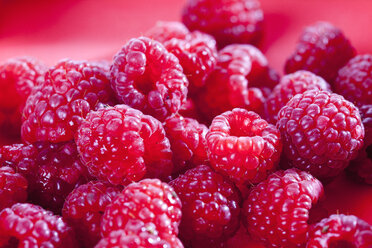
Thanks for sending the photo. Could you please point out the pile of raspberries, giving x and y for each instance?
(187, 138)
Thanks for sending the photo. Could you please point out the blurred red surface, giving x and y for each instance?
(94, 29)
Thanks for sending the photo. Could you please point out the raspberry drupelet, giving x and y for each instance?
(27, 225)
(210, 207)
(277, 211)
(338, 230)
(243, 146)
(145, 76)
(321, 133)
(120, 144)
(13, 187)
(70, 90)
(166, 30)
(239, 21)
(322, 49)
(84, 207)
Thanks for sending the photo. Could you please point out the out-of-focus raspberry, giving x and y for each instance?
(13, 187)
(164, 31)
(239, 21)
(190, 110)
(243, 146)
(120, 144)
(322, 49)
(145, 76)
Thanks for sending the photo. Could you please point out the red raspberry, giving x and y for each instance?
(27, 225)
(239, 21)
(147, 77)
(290, 85)
(120, 144)
(210, 206)
(55, 109)
(321, 132)
(340, 230)
(278, 210)
(243, 146)
(52, 170)
(165, 31)
(322, 49)
(150, 201)
(13, 187)
(187, 139)
(17, 77)
(84, 208)
(189, 110)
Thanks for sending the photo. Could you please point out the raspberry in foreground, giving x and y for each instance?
(321, 133)
(165, 30)
(210, 207)
(84, 207)
(322, 49)
(70, 90)
(278, 210)
(243, 146)
(338, 230)
(120, 144)
(229, 22)
(145, 76)
(150, 201)
(27, 225)
(13, 187)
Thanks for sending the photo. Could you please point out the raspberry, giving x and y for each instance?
(278, 210)
(210, 206)
(321, 132)
(187, 139)
(340, 230)
(120, 144)
(229, 22)
(243, 146)
(55, 109)
(322, 49)
(189, 110)
(84, 208)
(13, 187)
(17, 77)
(290, 85)
(147, 77)
(150, 201)
(27, 225)
(241, 78)
(52, 170)
(165, 31)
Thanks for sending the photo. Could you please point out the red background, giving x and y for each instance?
(92, 29)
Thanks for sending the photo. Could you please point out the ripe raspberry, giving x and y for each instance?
(120, 144)
(27, 225)
(243, 146)
(321, 132)
(84, 208)
(229, 22)
(52, 170)
(278, 210)
(165, 31)
(187, 139)
(13, 187)
(55, 109)
(150, 201)
(340, 230)
(145, 76)
(210, 206)
(290, 85)
(322, 49)
(17, 77)
(189, 110)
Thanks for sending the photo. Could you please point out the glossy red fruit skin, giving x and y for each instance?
(145, 76)
(243, 146)
(322, 49)
(13, 187)
(27, 225)
(229, 22)
(84, 207)
(210, 206)
(55, 109)
(120, 144)
(166, 30)
(276, 211)
(339, 230)
(321, 133)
